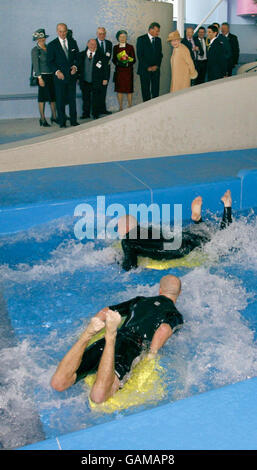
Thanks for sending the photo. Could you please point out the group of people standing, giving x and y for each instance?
(199, 58)
(59, 65)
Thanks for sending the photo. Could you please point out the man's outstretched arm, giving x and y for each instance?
(162, 334)
(65, 374)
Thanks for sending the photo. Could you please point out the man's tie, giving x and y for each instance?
(102, 46)
(65, 49)
(153, 42)
(90, 56)
(193, 45)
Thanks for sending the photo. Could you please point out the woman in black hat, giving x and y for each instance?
(123, 58)
(46, 91)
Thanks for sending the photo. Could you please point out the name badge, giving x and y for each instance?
(99, 64)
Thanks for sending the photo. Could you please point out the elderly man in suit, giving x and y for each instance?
(192, 43)
(227, 48)
(62, 57)
(105, 47)
(93, 75)
(234, 45)
(149, 53)
(216, 64)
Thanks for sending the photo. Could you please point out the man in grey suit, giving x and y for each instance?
(105, 47)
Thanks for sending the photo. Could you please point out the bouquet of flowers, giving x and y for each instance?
(124, 58)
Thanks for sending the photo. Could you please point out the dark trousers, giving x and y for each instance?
(230, 68)
(91, 98)
(150, 85)
(102, 98)
(201, 67)
(65, 94)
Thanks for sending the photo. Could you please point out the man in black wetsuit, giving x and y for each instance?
(149, 322)
(138, 241)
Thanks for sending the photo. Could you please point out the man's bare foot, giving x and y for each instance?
(227, 199)
(94, 326)
(196, 208)
(113, 320)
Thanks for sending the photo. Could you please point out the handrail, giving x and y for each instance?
(251, 69)
(207, 16)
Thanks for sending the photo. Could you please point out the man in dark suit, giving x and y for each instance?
(105, 47)
(234, 45)
(216, 64)
(201, 62)
(93, 75)
(62, 57)
(194, 46)
(149, 53)
(227, 49)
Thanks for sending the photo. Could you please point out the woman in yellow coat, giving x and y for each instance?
(182, 65)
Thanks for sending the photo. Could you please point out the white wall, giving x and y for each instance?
(219, 115)
(196, 10)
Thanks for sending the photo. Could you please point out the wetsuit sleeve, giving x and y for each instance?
(174, 319)
(124, 307)
(227, 217)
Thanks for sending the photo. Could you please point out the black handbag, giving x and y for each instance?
(33, 81)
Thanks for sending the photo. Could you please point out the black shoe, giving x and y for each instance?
(85, 116)
(106, 112)
(75, 124)
(54, 120)
(44, 123)
(96, 116)
(63, 125)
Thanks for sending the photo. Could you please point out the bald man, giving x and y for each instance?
(149, 323)
(150, 242)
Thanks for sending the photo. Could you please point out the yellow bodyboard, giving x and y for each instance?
(192, 260)
(144, 385)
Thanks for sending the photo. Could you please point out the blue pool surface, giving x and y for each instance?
(215, 413)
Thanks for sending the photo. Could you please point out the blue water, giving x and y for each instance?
(52, 284)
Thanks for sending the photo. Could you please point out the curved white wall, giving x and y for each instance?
(219, 115)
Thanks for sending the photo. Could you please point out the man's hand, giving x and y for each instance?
(105, 82)
(113, 320)
(73, 70)
(151, 355)
(59, 75)
(95, 326)
(41, 82)
(153, 68)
